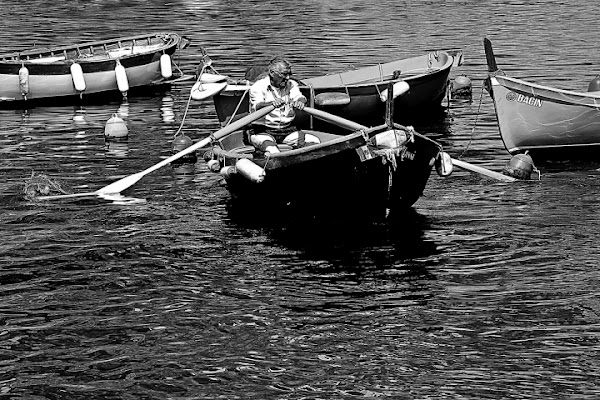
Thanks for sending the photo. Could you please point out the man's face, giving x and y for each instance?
(280, 75)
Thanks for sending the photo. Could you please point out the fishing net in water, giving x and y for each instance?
(41, 185)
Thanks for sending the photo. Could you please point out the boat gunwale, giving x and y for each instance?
(279, 160)
(387, 78)
(549, 92)
(170, 39)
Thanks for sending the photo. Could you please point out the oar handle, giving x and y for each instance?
(345, 123)
(67, 196)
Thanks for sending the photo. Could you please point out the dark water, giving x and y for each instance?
(483, 290)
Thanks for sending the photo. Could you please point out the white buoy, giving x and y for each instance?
(214, 165)
(399, 88)
(78, 79)
(165, 66)
(24, 81)
(122, 82)
(227, 172)
(391, 139)
(249, 170)
(115, 128)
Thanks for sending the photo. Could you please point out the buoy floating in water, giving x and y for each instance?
(594, 84)
(165, 66)
(520, 167)
(115, 128)
(24, 81)
(461, 87)
(180, 143)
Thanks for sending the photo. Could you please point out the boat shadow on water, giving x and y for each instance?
(348, 242)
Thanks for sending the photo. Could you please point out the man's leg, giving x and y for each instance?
(300, 139)
(264, 142)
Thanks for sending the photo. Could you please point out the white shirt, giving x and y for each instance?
(262, 91)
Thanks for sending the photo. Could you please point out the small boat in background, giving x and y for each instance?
(114, 65)
(360, 94)
(367, 172)
(546, 122)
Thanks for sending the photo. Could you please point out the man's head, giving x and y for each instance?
(280, 71)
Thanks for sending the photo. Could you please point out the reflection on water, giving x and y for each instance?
(167, 109)
(483, 290)
(116, 149)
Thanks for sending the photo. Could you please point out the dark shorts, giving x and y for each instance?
(277, 134)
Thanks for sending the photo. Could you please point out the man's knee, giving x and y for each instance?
(262, 141)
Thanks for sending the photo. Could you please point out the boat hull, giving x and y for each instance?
(546, 122)
(426, 75)
(333, 178)
(49, 71)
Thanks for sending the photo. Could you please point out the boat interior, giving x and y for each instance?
(89, 52)
(234, 144)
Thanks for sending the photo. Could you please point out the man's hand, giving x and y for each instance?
(298, 104)
(277, 102)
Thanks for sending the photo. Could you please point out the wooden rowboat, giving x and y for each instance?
(546, 122)
(360, 94)
(114, 65)
(368, 171)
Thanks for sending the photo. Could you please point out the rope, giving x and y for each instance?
(187, 107)
(474, 125)
(237, 108)
(205, 64)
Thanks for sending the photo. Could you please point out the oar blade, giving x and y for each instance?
(489, 55)
(120, 185)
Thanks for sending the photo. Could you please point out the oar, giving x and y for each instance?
(483, 171)
(344, 123)
(334, 119)
(489, 55)
(124, 183)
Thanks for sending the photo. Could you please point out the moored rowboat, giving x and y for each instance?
(546, 122)
(360, 94)
(88, 68)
